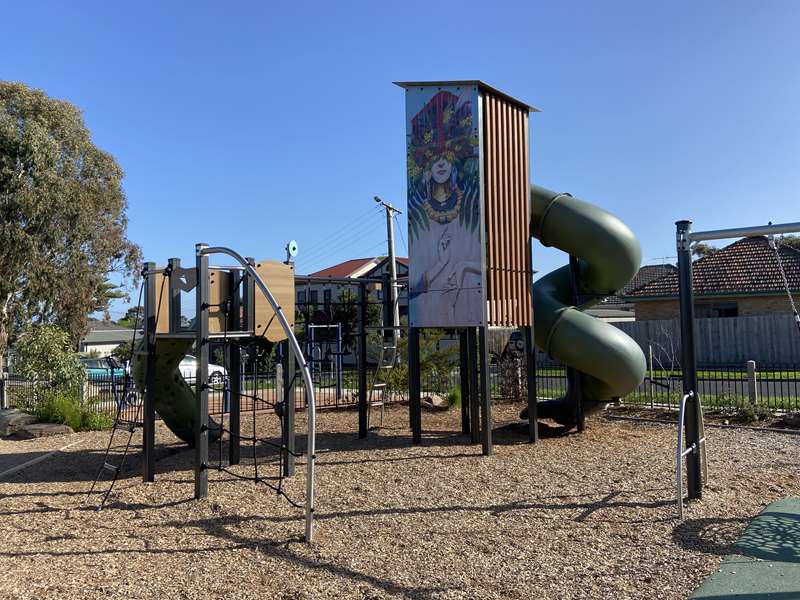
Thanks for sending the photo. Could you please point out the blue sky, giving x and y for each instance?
(247, 124)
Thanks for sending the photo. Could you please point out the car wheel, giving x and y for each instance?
(215, 378)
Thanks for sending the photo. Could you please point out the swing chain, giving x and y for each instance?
(773, 244)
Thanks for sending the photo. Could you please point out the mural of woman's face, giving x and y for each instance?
(441, 169)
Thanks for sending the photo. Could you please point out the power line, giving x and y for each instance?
(350, 236)
(322, 244)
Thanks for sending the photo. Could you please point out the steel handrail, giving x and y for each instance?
(309, 385)
(682, 452)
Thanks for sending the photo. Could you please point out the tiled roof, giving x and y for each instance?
(349, 267)
(646, 274)
(747, 266)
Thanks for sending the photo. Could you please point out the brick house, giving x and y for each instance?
(618, 307)
(742, 279)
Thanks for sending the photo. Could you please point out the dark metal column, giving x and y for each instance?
(362, 361)
(530, 355)
(235, 372)
(486, 391)
(174, 265)
(688, 360)
(573, 376)
(149, 423)
(288, 410)
(201, 377)
(414, 391)
(463, 370)
(474, 393)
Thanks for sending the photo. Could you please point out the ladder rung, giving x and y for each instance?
(390, 347)
(378, 385)
(110, 467)
(387, 367)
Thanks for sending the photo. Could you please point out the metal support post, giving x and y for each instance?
(688, 361)
(574, 376)
(533, 409)
(3, 390)
(149, 419)
(463, 369)
(752, 383)
(288, 410)
(235, 373)
(414, 391)
(362, 361)
(486, 392)
(474, 394)
(249, 299)
(201, 377)
(174, 264)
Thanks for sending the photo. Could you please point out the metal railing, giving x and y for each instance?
(682, 452)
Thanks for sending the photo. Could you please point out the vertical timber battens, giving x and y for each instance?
(506, 178)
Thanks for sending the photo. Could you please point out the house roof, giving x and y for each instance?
(355, 267)
(745, 267)
(646, 274)
(108, 336)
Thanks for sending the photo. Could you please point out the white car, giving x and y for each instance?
(188, 368)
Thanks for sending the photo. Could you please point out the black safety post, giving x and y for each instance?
(149, 423)
(573, 375)
(693, 425)
(486, 391)
(201, 376)
(235, 371)
(530, 355)
(463, 371)
(362, 361)
(474, 393)
(414, 392)
(173, 266)
(288, 410)
(249, 299)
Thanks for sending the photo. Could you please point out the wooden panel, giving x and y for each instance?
(279, 278)
(162, 303)
(506, 177)
(218, 293)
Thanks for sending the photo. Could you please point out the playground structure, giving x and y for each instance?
(234, 304)
(691, 435)
(472, 214)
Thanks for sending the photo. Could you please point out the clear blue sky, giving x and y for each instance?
(248, 124)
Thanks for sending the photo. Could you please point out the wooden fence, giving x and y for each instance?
(767, 339)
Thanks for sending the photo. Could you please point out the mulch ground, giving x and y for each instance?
(578, 516)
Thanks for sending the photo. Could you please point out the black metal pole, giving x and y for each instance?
(174, 265)
(149, 423)
(414, 392)
(486, 391)
(573, 375)
(201, 376)
(235, 373)
(362, 361)
(288, 410)
(530, 355)
(463, 371)
(474, 393)
(694, 481)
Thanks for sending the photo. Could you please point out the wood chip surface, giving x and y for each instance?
(579, 516)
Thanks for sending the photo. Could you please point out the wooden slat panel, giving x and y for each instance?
(528, 256)
(218, 292)
(488, 187)
(279, 278)
(162, 304)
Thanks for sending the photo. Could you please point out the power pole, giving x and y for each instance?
(390, 212)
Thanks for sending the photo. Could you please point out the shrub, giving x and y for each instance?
(93, 420)
(44, 353)
(54, 405)
(454, 397)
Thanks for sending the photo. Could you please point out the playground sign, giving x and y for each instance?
(445, 229)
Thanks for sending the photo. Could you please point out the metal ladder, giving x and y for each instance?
(682, 452)
(120, 425)
(377, 391)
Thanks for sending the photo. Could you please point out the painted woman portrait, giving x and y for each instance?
(444, 217)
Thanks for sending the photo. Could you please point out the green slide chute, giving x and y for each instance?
(174, 398)
(610, 363)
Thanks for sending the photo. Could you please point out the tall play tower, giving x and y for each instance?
(468, 161)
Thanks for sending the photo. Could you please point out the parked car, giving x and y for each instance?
(188, 368)
(102, 368)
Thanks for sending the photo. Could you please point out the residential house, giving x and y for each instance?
(742, 279)
(617, 308)
(102, 338)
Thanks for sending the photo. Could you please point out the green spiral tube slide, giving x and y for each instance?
(610, 363)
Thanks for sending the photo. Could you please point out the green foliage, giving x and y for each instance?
(436, 361)
(130, 320)
(454, 397)
(123, 352)
(750, 413)
(62, 216)
(701, 249)
(44, 353)
(58, 405)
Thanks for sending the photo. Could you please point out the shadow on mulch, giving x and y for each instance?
(711, 535)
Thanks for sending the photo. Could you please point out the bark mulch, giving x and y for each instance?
(579, 516)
